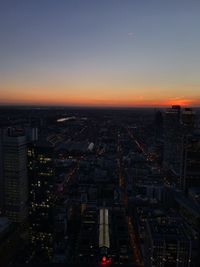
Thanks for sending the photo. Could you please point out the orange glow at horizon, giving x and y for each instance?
(47, 95)
(86, 101)
(180, 102)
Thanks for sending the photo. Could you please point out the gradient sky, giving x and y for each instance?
(100, 52)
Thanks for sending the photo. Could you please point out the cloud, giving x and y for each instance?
(130, 34)
(182, 101)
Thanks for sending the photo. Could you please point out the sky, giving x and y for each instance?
(100, 52)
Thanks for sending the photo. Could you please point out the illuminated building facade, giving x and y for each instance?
(104, 238)
(41, 199)
(167, 245)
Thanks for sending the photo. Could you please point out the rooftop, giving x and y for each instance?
(4, 223)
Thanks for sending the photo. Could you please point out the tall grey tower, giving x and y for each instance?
(14, 175)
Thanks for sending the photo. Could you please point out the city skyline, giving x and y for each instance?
(100, 53)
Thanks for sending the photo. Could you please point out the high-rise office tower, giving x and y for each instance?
(172, 139)
(168, 244)
(158, 125)
(188, 118)
(14, 174)
(190, 167)
(41, 198)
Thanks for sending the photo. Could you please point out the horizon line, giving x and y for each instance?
(92, 106)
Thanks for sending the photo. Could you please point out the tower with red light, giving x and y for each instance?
(104, 237)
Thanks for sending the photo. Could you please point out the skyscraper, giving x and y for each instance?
(172, 139)
(188, 119)
(41, 198)
(168, 244)
(158, 125)
(14, 174)
(190, 167)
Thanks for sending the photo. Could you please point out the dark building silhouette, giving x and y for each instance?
(158, 125)
(1, 171)
(9, 240)
(190, 168)
(188, 117)
(14, 174)
(172, 139)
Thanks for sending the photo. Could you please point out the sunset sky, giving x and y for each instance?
(100, 52)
